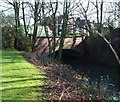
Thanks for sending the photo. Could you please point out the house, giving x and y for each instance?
(75, 26)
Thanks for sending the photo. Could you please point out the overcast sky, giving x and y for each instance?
(4, 6)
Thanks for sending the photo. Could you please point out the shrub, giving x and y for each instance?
(24, 43)
(7, 37)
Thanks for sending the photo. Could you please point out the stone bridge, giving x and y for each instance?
(41, 44)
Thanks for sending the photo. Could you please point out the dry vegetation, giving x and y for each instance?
(65, 84)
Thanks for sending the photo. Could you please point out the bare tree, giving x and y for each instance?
(84, 12)
(36, 13)
(98, 32)
(16, 7)
(54, 11)
(64, 28)
(99, 14)
(24, 21)
(45, 26)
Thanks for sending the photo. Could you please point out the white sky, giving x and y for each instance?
(3, 6)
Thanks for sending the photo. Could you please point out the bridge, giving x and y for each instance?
(41, 44)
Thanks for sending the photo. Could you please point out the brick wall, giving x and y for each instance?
(42, 43)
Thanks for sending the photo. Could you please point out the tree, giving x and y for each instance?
(64, 28)
(99, 14)
(54, 11)
(23, 12)
(16, 7)
(45, 25)
(21, 41)
(98, 32)
(36, 12)
(7, 29)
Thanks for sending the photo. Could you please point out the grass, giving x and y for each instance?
(20, 79)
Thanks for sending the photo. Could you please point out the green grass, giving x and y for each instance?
(20, 79)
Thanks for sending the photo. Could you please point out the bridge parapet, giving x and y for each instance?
(41, 44)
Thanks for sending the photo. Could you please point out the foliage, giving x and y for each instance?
(7, 37)
(7, 30)
(20, 79)
(7, 20)
(24, 43)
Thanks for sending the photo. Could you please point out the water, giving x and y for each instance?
(104, 75)
(101, 76)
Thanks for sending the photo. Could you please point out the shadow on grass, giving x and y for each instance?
(19, 78)
(9, 62)
(13, 57)
(9, 53)
(19, 68)
(30, 79)
(41, 74)
(13, 60)
(25, 87)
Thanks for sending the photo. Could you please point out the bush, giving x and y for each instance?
(7, 37)
(24, 43)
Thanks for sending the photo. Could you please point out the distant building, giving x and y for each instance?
(75, 26)
(80, 25)
(40, 31)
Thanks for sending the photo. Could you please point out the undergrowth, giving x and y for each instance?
(66, 84)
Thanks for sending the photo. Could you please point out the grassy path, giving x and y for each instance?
(20, 79)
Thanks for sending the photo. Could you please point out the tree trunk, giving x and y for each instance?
(46, 30)
(49, 42)
(17, 22)
(23, 11)
(35, 24)
(64, 30)
(101, 17)
(54, 11)
(54, 36)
